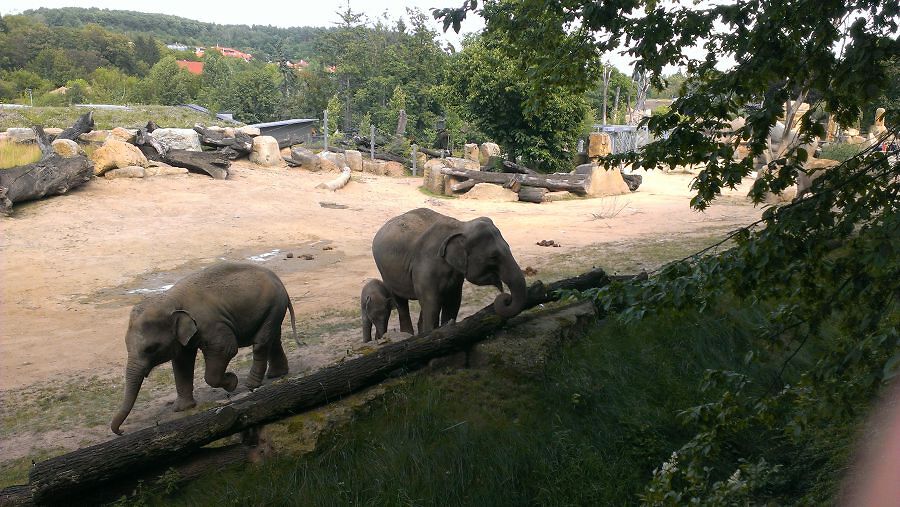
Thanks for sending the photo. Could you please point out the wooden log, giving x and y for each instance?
(83, 125)
(338, 182)
(91, 468)
(213, 163)
(576, 183)
(51, 175)
(231, 147)
(499, 165)
(435, 153)
(532, 194)
(462, 186)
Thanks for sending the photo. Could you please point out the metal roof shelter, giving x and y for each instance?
(287, 132)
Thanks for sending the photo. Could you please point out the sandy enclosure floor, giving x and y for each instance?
(73, 266)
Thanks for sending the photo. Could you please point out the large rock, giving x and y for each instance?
(163, 170)
(133, 171)
(374, 166)
(354, 160)
(606, 182)
(470, 152)
(486, 151)
(599, 145)
(123, 134)
(265, 151)
(490, 192)
(432, 179)
(337, 159)
(327, 165)
(21, 135)
(462, 164)
(66, 148)
(94, 136)
(52, 132)
(307, 159)
(177, 139)
(394, 169)
(115, 154)
(250, 131)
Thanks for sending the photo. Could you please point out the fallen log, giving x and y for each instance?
(576, 183)
(435, 153)
(231, 147)
(462, 186)
(532, 194)
(338, 182)
(51, 175)
(83, 125)
(496, 164)
(212, 163)
(92, 468)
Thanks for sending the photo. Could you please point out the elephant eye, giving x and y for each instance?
(151, 349)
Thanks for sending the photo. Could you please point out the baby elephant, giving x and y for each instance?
(223, 307)
(375, 304)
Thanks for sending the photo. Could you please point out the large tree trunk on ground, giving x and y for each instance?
(51, 175)
(462, 186)
(338, 182)
(498, 165)
(213, 163)
(93, 468)
(83, 125)
(435, 153)
(577, 183)
(532, 194)
(232, 147)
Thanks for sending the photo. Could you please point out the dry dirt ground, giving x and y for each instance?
(72, 267)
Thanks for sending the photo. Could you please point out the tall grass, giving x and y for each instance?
(16, 154)
(588, 431)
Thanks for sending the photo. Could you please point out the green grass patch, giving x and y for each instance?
(16, 154)
(134, 117)
(589, 431)
(840, 151)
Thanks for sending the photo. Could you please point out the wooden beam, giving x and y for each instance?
(576, 183)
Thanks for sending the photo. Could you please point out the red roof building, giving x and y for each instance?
(192, 67)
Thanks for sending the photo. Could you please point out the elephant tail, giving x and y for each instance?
(294, 324)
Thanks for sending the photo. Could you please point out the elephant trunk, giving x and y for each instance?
(134, 377)
(509, 305)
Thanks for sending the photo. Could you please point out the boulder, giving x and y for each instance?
(486, 151)
(163, 170)
(307, 159)
(470, 152)
(115, 154)
(490, 192)
(559, 196)
(374, 166)
(265, 151)
(123, 134)
(94, 136)
(65, 148)
(52, 132)
(599, 145)
(394, 169)
(228, 131)
(606, 182)
(327, 165)
(337, 159)
(178, 139)
(432, 179)
(354, 160)
(132, 171)
(20, 135)
(247, 129)
(461, 164)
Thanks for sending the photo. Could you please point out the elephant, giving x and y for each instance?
(376, 305)
(426, 256)
(216, 310)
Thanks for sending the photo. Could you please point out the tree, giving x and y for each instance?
(167, 84)
(496, 98)
(826, 268)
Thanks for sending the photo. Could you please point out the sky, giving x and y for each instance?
(282, 14)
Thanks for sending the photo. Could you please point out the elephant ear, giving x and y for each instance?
(453, 250)
(185, 327)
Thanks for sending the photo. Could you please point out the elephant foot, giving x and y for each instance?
(182, 404)
(229, 382)
(276, 372)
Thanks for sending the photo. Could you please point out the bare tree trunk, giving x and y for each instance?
(577, 183)
(338, 182)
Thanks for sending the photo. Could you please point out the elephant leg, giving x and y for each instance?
(450, 307)
(430, 315)
(403, 313)
(218, 352)
(367, 329)
(278, 362)
(381, 326)
(183, 369)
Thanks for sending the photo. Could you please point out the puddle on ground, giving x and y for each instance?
(282, 260)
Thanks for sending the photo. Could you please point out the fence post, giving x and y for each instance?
(414, 149)
(326, 130)
(372, 142)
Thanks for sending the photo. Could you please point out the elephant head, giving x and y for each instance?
(479, 252)
(156, 330)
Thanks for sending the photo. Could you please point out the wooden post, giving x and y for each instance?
(414, 150)
(607, 71)
(372, 142)
(616, 105)
(325, 121)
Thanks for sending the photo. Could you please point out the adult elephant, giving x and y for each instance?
(223, 307)
(425, 255)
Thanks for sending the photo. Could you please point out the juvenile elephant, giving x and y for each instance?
(375, 306)
(424, 255)
(223, 307)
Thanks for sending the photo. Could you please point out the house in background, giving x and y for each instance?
(192, 67)
(229, 52)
